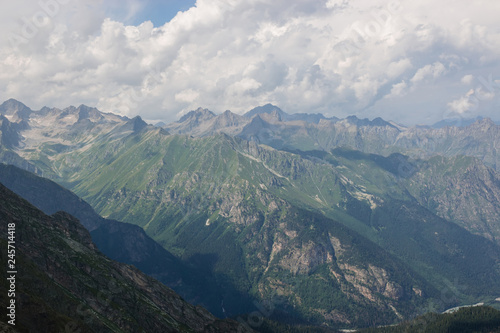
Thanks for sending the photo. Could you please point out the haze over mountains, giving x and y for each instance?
(271, 126)
(337, 222)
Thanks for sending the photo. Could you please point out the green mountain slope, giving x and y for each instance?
(123, 242)
(213, 229)
(274, 225)
(226, 199)
(64, 283)
(460, 189)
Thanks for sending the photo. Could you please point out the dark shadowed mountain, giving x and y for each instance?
(123, 242)
(65, 284)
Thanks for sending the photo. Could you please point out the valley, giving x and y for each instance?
(344, 223)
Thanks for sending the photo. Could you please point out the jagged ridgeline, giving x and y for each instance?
(338, 235)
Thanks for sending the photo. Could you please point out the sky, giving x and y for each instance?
(412, 62)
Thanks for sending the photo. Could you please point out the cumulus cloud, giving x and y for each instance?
(338, 57)
(482, 100)
(467, 79)
(398, 89)
(463, 104)
(432, 71)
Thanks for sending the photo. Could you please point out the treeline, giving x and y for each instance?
(269, 326)
(466, 320)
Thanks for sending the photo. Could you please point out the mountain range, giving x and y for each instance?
(271, 126)
(337, 222)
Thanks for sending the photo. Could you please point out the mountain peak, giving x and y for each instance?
(456, 122)
(197, 115)
(13, 102)
(269, 109)
(87, 112)
(483, 125)
(352, 119)
(367, 122)
(228, 119)
(380, 122)
(12, 106)
(314, 118)
(138, 123)
(485, 121)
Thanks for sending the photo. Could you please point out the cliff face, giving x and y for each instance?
(268, 223)
(65, 283)
(462, 190)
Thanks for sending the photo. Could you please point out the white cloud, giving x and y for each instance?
(334, 56)
(397, 68)
(483, 94)
(398, 89)
(463, 104)
(187, 96)
(482, 100)
(467, 79)
(432, 71)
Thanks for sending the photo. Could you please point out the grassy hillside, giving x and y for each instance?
(282, 225)
(222, 202)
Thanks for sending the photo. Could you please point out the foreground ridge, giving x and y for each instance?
(65, 283)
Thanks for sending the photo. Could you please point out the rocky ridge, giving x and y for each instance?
(271, 126)
(243, 209)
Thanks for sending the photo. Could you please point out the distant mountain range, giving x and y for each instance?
(271, 126)
(338, 222)
(266, 124)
